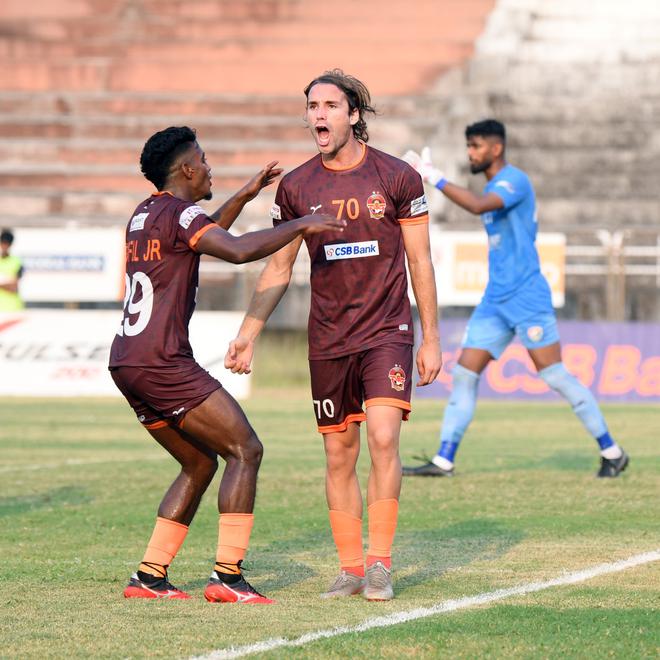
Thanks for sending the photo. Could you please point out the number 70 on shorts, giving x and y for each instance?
(326, 406)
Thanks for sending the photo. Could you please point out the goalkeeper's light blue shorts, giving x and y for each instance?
(528, 314)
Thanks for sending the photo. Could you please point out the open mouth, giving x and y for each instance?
(323, 136)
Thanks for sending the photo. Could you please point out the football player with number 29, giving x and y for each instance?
(181, 405)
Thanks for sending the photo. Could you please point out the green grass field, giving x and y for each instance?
(81, 482)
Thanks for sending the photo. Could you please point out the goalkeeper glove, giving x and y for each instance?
(425, 168)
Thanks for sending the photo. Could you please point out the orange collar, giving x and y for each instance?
(352, 165)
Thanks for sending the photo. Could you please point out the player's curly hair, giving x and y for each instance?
(161, 150)
(357, 94)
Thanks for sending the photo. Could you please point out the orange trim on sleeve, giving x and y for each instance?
(156, 425)
(195, 239)
(417, 220)
(339, 428)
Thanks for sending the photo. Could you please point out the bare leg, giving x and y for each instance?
(383, 429)
(546, 356)
(474, 359)
(198, 465)
(220, 424)
(342, 488)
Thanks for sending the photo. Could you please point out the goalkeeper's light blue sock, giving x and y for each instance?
(459, 411)
(583, 403)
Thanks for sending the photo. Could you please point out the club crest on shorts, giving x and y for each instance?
(376, 204)
(397, 377)
(535, 333)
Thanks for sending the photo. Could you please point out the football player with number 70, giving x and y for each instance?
(180, 404)
(360, 324)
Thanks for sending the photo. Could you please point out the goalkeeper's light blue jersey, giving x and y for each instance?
(512, 257)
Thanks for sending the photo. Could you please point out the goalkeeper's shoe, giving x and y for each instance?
(239, 591)
(346, 584)
(379, 582)
(613, 467)
(427, 469)
(141, 585)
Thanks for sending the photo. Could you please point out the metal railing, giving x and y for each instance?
(615, 259)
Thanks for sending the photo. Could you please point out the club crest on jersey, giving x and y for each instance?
(535, 333)
(397, 377)
(376, 204)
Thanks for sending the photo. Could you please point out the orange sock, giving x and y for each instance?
(233, 538)
(347, 533)
(164, 543)
(382, 526)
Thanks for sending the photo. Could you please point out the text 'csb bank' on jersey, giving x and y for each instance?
(359, 286)
(513, 261)
(161, 282)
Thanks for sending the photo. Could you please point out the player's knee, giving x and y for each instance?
(338, 459)
(252, 450)
(559, 379)
(383, 443)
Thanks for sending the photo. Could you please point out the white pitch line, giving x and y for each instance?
(440, 608)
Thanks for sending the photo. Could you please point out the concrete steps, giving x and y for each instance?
(83, 84)
(245, 46)
(576, 85)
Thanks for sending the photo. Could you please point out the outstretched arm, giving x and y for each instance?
(258, 244)
(465, 198)
(476, 204)
(226, 215)
(422, 277)
(271, 286)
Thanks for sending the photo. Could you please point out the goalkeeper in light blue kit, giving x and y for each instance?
(517, 299)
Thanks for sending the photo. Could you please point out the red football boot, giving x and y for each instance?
(240, 591)
(157, 588)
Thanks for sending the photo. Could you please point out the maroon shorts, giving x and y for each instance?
(161, 396)
(379, 376)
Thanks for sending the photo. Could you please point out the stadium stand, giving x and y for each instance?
(84, 83)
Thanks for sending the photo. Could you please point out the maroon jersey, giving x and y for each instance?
(161, 282)
(358, 277)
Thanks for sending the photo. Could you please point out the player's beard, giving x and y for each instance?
(208, 196)
(481, 167)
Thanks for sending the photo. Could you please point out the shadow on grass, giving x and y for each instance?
(563, 461)
(570, 461)
(426, 554)
(57, 498)
(420, 555)
(266, 573)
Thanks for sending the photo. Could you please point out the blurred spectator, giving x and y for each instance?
(11, 270)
